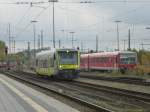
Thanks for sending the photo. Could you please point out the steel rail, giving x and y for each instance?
(145, 97)
(76, 99)
(127, 80)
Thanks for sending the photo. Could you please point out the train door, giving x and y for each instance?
(117, 62)
(88, 64)
(55, 63)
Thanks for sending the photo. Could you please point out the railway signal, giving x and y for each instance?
(6, 50)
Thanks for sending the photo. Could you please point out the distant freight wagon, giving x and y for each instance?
(109, 61)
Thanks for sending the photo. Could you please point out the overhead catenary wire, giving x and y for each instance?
(123, 14)
(66, 29)
(38, 15)
(96, 23)
(78, 2)
(105, 1)
(24, 15)
(82, 2)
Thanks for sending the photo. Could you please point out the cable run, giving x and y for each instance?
(24, 29)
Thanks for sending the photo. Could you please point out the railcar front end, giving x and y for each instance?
(60, 63)
(68, 63)
(127, 61)
(109, 61)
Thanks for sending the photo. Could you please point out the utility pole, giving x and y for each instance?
(148, 28)
(41, 39)
(9, 38)
(63, 33)
(59, 43)
(118, 45)
(124, 45)
(72, 38)
(96, 43)
(13, 42)
(54, 25)
(34, 33)
(29, 54)
(14, 45)
(82, 47)
(129, 40)
(53, 1)
(28, 49)
(142, 46)
(39, 46)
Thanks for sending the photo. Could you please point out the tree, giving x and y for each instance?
(2, 51)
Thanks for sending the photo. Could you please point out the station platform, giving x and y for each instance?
(17, 97)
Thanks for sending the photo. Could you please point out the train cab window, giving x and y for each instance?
(51, 62)
(129, 60)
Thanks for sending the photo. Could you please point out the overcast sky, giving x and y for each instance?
(85, 19)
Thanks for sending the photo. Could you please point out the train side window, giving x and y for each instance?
(100, 60)
(51, 62)
(116, 60)
(41, 64)
(97, 59)
(103, 59)
(54, 57)
(45, 64)
(36, 62)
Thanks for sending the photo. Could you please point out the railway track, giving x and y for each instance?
(92, 92)
(121, 92)
(127, 80)
(42, 85)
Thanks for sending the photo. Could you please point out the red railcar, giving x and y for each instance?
(7, 65)
(119, 60)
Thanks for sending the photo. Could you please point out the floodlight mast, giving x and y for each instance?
(34, 33)
(118, 46)
(53, 1)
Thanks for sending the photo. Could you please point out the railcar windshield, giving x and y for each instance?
(128, 59)
(68, 57)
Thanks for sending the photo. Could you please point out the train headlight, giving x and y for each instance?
(60, 66)
(77, 66)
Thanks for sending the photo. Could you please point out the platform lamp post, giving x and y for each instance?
(53, 1)
(118, 46)
(34, 33)
(148, 28)
(63, 36)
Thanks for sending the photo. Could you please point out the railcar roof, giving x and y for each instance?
(51, 52)
(67, 49)
(45, 54)
(108, 53)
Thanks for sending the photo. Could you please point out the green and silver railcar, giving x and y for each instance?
(61, 63)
